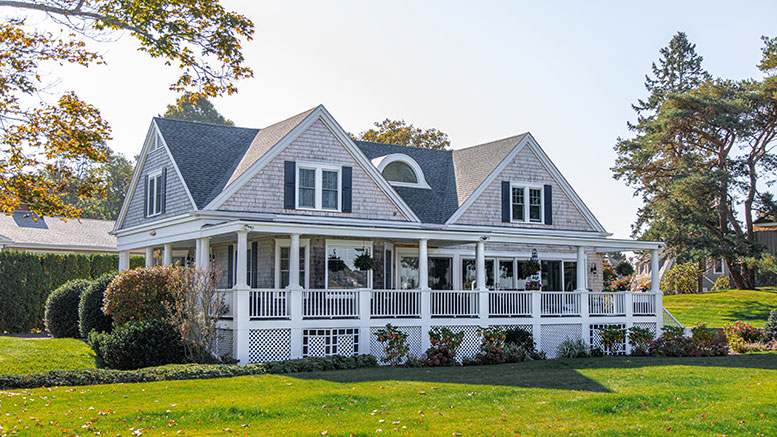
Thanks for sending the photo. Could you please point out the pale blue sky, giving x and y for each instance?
(565, 71)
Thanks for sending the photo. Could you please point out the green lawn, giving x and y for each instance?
(716, 308)
(606, 396)
(20, 356)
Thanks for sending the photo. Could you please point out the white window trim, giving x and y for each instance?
(383, 161)
(319, 168)
(346, 244)
(715, 271)
(303, 244)
(157, 209)
(526, 202)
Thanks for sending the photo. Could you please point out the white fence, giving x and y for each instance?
(395, 303)
(560, 304)
(455, 303)
(330, 304)
(606, 304)
(510, 303)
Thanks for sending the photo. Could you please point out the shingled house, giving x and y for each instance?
(287, 210)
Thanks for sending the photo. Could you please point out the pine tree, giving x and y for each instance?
(190, 107)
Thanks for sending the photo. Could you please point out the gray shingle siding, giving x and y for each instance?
(177, 201)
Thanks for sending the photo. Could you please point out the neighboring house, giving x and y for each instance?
(25, 231)
(714, 268)
(285, 211)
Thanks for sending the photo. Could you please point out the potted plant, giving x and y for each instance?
(533, 284)
(364, 262)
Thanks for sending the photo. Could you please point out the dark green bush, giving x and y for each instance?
(139, 295)
(139, 344)
(180, 372)
(62, 309)
(27, 279)
(90, 312)
(770, 329)
(525, 339)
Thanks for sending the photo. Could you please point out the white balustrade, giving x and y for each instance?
(330, 304)
(269, 304)
(455, 303)
(644, 304)
(509, 303)
(559, 303)
(395, 303)
(606, 304)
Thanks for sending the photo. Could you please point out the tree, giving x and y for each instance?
(190, 107)
(625, 268)
(403, 134)
(46, 142)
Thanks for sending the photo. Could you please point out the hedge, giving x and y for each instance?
(174, 372)
(90, 308)
(27, 279)
(61, 315)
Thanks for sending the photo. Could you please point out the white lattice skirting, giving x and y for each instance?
(551, 336)
(224, 342)
(326, 342)
(596, 339)
(269, 345)
(413, 340)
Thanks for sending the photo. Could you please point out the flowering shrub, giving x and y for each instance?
(622, 284)
(742, 330)
(702, 334)
(684, 347)
(671, 332)
(444, 345)
(613, 338)
(682, 279)
(491, 346)
(394, 344)
(722, 283)
(640, 339)
(138, 295)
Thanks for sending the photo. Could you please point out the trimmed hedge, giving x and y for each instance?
(27, 279)
(61, 314)
(138, 344)
(174, 372)
(90, 312)
(138, 295)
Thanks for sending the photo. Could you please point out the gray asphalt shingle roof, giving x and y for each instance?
(22, 229)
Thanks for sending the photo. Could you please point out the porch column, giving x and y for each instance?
(205, 259)
(423, 264)
(480, 265)
(581, 268)
(149, 257)
(167, 259)
(294, 263)
(655, 276)
(197, 253)
(240, 296)
(124, 260)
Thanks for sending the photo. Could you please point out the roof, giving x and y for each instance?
(201, 149)
(473, 164)
(21, 229)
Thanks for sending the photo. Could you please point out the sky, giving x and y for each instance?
(567, 72)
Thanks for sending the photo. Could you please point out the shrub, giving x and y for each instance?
(622, 284)
(640, 339)
(573, 348)
(491, 346)
(722, 283)
(394, 344)
(670, 332)
(525, 339)
(514, 353)
(682, 279)
(62, 309)
(684, 347)
(625, 268)
(702, 334)
(138, 344)
(444, 345)
(613, 338)
(138, 295)
(743, 331)
(90, 312)
(770, 329)
(318, 364)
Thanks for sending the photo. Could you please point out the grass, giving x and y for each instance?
(20, 356)
(604, 396)
(716, 308)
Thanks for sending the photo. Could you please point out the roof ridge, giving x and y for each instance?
(521, 135)
(203, 123)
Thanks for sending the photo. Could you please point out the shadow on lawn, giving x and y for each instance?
(550, 374)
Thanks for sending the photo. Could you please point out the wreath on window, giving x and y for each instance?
(364, 262)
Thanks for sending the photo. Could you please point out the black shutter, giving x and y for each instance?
(163, 196)
(145, 196)
(347, 189)
(506, 201)
(548, 204)
(289, 184)
(254, 269)
(230, 266)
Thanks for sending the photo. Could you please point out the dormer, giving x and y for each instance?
(401, 170)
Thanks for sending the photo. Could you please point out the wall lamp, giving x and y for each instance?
(248, 228)
(593, 269)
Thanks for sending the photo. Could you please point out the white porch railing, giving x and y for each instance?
(559, 303)
(509, 303)
(455, 303)
(269, 304)
(330, 304)
(669, 320)
(606, 304)
(644, 304)
(395, 303)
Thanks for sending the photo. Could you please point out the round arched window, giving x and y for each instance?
(398, 171)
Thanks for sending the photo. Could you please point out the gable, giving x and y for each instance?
(264, 191)
(177, 200)
(526, 166)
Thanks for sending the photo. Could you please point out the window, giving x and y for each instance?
(717, 267)
(283, 267)
(399, 171)
(570, 275)
(340, 270)
(388, 274)
(318, 187)
(469, 273)
(408, 272)
(521, 209)
(154, 199)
